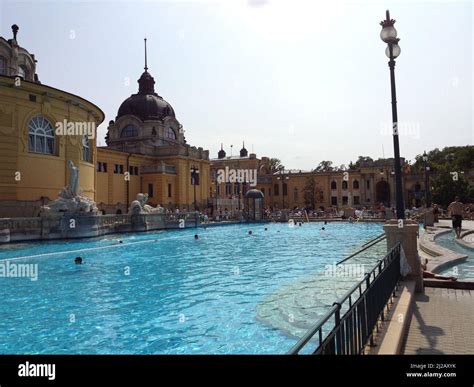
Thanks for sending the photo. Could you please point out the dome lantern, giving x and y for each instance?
(146, 104)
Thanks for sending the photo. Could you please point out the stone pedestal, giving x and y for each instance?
(389, 214)
(138, 222)
(407, 235)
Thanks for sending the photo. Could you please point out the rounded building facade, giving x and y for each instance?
(34, 153)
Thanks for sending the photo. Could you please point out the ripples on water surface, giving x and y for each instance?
(180, 295)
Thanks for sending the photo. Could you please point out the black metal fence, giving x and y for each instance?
(348, 326)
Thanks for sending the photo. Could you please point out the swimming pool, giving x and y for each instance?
(463, 270)
(167, 293)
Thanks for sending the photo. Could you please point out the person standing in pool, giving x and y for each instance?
(455, 210)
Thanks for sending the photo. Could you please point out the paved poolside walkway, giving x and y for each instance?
(442, 323)
(443, 319)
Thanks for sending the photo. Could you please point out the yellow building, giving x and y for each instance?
(147, 152)
(227, 189)
(33, 158)
(369, 185)
(42, 128)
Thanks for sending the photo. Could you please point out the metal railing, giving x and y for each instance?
(354, 317)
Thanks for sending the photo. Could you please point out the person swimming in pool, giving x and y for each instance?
(196, 236)
(78, 261)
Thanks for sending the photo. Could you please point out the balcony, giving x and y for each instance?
(158, 168)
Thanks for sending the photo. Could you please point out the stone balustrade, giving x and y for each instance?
(64, 225)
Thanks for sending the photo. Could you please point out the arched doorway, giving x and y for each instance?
(382, 192)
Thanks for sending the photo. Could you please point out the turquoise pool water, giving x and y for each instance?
(464, 270)
(164, 292)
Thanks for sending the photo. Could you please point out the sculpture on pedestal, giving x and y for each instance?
(74, 178)
(70, 198)
(139, 206)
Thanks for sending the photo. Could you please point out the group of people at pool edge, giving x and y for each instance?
(455, 210)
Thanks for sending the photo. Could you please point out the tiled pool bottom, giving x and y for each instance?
(166, 293)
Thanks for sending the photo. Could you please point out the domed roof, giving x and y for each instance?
(254, 194)
(146, 107)
(146, 104)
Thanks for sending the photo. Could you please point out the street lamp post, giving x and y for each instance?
(389, 36)
(282, 178)
(194, 176)
(427, 180)
(217, 197)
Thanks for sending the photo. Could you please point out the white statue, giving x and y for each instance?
(139, 206)
(74, 178)
(70, 200)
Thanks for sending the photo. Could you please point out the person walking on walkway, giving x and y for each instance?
(455, 210)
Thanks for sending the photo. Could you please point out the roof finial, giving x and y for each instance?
(221, 153)
(243, 151)
(146, 66)
(15, 31)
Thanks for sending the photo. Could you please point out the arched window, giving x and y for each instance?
(355, 184)
(344, 184)
(170, 133)
(276, 190)
(333, 185)
(40, 136)
(129, 131)
(86, 150)
(3, 65)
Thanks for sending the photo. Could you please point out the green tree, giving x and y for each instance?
(312, 194)
(361, 159)
(271, 165)
(451, 159)
(352, 166)
(445, 188)
(324, 166)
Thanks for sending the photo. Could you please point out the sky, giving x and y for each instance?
(302, 81)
